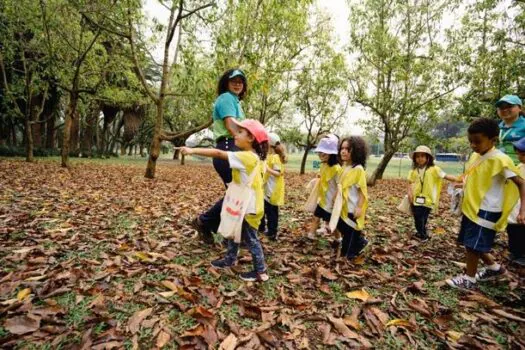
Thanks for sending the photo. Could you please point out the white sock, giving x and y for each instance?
(338, 239)
(471, 279)
(494, 267)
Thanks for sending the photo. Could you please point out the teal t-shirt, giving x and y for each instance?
(510, 134)
(226, 105)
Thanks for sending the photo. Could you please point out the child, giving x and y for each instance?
(487, 202)
(353, 152)
(273, 186)
(424, 189)
(252, 140)
(330, 168)
(515, 231)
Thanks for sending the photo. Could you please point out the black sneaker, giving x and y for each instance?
(360, 251)
(253, 276)
(486, 274)
(204, 234)
(461, 282)
(221, 264)
(272, 237)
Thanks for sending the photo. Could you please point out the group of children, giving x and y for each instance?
(491, 182)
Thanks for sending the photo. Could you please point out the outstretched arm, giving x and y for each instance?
(205, 152)
(453, 178)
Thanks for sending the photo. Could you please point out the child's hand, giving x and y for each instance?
(357, 213)
(521, 217)
(185, 150)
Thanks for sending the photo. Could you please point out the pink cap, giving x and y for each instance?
(254, 127)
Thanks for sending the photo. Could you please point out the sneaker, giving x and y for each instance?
(205, 235)
(272, 237)
(461, 282)
(360, 251)
(421, 238)
(221, 264)
(253, 276)
(486, 274)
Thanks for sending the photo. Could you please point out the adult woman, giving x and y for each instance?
(231, 90)
(512, 129)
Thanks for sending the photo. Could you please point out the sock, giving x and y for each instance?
(494, 267)
(471, 279)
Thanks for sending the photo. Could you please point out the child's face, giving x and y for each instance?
(346, 152)
(481, 143)
(235, 85)
(421, 159)
(243, 139)
(323, 157)
(521, 156)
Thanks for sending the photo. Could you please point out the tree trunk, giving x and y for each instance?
(176, 154)
(86, 143)
(378, 172)
(155, 143)
(303, 161)
(74, 142)
(70, 114)
(29, 139)
(183, 160)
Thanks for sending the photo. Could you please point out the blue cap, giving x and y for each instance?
(520, 144)
(236, 73)
(510, 99)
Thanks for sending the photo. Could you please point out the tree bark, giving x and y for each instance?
(88, 134)
(155, 143)
(29, 140)
(70, 114)
(303, 161)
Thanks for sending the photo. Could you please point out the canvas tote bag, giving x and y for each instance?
(311, 202)
(338, 203)
(236, 201)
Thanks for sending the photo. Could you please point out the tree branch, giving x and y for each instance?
(171, 136)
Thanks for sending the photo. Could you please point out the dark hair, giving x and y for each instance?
(280, 151)
(332, 160)
(430, 160)
(261, 148)
(486, 126)
(359, 149)
(222, 87)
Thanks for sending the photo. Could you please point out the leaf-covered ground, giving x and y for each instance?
(99, 257)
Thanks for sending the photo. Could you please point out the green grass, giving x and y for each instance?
(397, 168)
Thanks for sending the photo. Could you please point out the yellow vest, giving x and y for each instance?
(431, 188)
(327, 173)
(351, 177)
(479, 180)
(251, 163)
(276, 194)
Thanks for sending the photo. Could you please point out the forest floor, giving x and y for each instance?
(98, 257)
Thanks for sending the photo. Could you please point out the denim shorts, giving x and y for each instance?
(475, 237)
(321, 213)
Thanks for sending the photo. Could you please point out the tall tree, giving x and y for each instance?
(321, 96)
(178, 12)
(266, 39)
(399, 74)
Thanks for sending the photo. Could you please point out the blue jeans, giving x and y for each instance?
(212, 217)
(270, 219)
(421, 214)
(249, 237)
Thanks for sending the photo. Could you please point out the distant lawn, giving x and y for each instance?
(397, 168)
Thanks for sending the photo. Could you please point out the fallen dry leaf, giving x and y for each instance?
(360, 294)
(229, 343)
(22, 324)
(137, 318)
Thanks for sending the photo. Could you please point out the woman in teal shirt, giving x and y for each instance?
(512, 129)
(230, 90)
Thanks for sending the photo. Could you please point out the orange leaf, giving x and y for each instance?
(360, 294)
